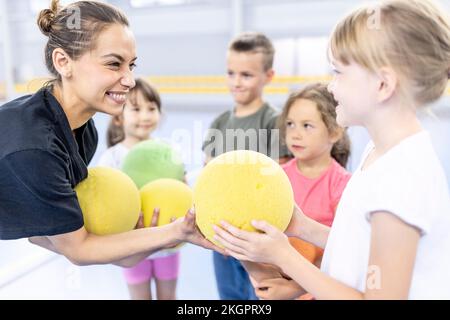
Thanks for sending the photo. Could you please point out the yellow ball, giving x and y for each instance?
(172, 197)
(109, 200)
(241, 186)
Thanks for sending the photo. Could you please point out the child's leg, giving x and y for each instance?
(166, 289)
(140, 291)
(138, 279)
(232, 280)
(166, 274)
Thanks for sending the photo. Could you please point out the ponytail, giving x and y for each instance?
(341, 150)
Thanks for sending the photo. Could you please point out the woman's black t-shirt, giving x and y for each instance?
(41, 161)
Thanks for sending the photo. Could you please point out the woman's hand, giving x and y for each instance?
(278, 289)
(153, 223)
(189, 232)
(266, 247)
(155, 218)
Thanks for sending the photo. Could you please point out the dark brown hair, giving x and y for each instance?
(254, 42)
(115, 133)
(326, 105)
(75, 28)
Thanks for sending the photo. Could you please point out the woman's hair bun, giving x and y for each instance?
(47, 17)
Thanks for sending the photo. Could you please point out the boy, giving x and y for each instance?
(251, 125)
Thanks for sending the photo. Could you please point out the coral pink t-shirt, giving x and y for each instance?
(318, 198)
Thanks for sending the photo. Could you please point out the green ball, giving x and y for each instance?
(151, 160)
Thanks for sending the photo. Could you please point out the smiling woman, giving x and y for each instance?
(49, 138)
(101, 79)
(97, 70)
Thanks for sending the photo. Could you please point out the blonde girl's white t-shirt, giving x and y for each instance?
(114, 157)
(408, 182)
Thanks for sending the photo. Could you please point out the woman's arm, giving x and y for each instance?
(43, 242)
(135, 259)
(305, 228)
(128, 248)
(83, 248)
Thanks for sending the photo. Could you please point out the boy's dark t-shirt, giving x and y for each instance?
(255, 132)
(41, 161)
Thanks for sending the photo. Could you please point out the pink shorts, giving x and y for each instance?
(163, 268)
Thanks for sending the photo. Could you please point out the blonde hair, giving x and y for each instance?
(326, 105)
(410, 36)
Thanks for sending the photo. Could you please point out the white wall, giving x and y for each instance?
(192, 40)
(188, 39)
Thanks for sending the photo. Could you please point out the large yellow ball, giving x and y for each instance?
(109, 200)
(241, 186)
(172, 197)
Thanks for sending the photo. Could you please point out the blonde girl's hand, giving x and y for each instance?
(266, 246)
(278, 289)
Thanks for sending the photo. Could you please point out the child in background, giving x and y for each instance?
(390, 238)
(252, 124)
(140, 118)
(317, 174)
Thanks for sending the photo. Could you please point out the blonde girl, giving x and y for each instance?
(390, 237)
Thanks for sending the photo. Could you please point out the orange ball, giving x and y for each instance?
(306, 249)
